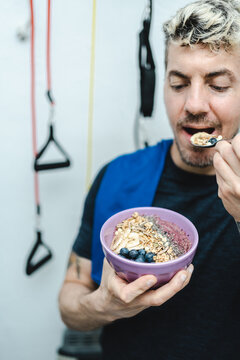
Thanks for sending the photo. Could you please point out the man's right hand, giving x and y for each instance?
(119, 299)
(84, 307)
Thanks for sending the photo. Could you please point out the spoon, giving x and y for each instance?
(205, 140)
(209, 142)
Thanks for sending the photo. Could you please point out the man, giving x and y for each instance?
(202, 93)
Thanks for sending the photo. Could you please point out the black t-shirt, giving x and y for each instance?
(203, 320)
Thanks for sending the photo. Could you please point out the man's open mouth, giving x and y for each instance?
(192, 131)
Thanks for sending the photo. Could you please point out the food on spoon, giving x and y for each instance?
(149, 239)
(205, 139)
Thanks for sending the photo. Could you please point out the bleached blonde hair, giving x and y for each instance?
(213, 23)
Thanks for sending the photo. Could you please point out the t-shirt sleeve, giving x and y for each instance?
(83, 242)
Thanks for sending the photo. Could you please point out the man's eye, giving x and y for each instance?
(219, 88)
(178, 87)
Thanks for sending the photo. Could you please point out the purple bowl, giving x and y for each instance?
(131, 270)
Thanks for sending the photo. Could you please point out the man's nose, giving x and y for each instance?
(197, 100)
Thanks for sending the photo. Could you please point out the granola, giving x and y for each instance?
(202, 138)
(165, 240)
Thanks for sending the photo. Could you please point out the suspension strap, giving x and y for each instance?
(147, 66)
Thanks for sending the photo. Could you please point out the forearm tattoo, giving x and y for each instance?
(74, 260)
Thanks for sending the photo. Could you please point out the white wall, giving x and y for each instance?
(30, 327)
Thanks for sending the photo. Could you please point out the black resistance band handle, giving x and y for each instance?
(30, 267)
(53, 165)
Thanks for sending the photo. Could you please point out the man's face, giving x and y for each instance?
(202, 93)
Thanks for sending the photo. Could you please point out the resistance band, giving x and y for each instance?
(51, 139)
(30, 266)
(91, 96)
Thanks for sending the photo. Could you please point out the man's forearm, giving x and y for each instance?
(80, 308)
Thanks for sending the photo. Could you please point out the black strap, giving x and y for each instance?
(147, 67)
(51, 165)
(31, 267)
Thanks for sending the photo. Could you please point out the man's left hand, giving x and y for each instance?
(226, 162)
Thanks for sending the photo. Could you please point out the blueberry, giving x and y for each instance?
(124, 252)
(140, 258)
(149, 257)
(133, 254)
(142, 252)
(212, 141)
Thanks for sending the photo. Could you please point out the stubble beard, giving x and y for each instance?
(197, 158)
(194, 156)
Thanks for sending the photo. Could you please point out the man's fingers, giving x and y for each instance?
(229, 154)
(127, 292)
(223, 168)
(138, 289)
(123, 290)
(236, 145)
(227, 179)
(164, 293)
